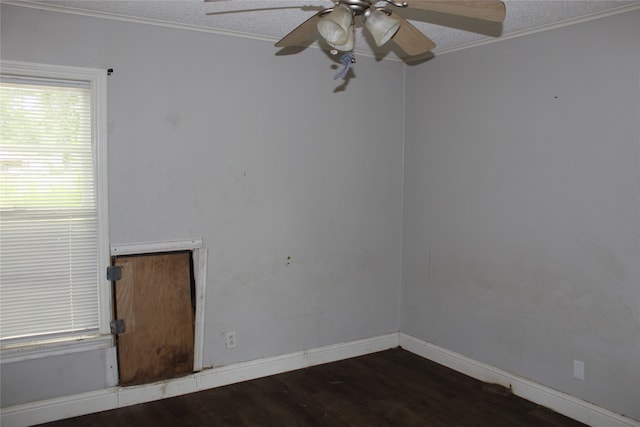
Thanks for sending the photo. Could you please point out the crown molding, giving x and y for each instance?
(542, 28)
(273, 40)
(136, 20)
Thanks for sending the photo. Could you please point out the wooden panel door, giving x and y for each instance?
(153, 297)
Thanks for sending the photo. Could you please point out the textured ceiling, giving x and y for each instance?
(273, 19)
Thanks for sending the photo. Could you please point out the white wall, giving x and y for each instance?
(217, 137)
(522, 207)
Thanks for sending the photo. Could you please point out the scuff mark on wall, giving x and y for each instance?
(174, 119)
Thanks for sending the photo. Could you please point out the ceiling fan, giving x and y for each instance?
(336, 24)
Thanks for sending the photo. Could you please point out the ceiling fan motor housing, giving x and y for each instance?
(357, 6)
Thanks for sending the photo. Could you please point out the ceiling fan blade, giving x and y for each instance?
(410, 39)
(488, 10)
(301, 34)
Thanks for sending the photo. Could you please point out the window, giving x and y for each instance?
(53, 208)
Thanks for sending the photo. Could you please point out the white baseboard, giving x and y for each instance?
(117, 397)
(562, 403)
(44, 411)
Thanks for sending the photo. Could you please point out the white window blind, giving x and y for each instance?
(49, 224)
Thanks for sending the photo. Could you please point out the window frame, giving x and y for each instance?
(97, 79)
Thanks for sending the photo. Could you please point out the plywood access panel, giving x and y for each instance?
(153, 298)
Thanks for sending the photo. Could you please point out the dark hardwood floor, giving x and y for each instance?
(390, 388)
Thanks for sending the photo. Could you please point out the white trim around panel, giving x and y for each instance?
(196, 246)
(155, 247)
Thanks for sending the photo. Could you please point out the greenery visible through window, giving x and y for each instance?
(49, 223)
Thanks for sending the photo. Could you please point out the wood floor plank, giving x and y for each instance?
(389, 388)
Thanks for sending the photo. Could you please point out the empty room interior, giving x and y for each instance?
(479, 208)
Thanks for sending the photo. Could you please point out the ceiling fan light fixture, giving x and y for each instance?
(381, 26)
(335, 26)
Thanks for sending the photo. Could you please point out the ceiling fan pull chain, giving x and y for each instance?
(346, 60)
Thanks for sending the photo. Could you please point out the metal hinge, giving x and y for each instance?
(117, 326)
(114, 273)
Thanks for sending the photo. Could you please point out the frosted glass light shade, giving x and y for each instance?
(381, 26)
(335, 27)
(346, 46)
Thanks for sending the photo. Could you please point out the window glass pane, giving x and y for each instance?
(46, 147)
(48, 212)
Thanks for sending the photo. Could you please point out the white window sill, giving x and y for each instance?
(26, 351)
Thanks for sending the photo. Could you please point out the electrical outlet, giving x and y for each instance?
(230, 339)
(578, 370)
